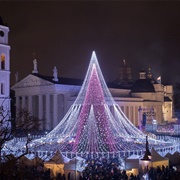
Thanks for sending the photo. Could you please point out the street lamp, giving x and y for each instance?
(147, 156)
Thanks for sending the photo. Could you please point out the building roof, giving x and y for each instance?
(73, 81)
(61, 80)
(142, 85)
(117, 85)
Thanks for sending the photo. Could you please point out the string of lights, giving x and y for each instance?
(94, 123)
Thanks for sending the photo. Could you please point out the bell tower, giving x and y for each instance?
(4, 69)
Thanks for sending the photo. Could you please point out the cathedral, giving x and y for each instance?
(144, 101)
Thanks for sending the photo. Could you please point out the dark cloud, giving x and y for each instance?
(64, 34)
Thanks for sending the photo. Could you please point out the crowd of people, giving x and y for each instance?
(162, 173)
(95, 169)
(105, 169)
(16, 172)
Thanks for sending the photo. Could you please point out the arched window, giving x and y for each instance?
(2, 88)
(2, 61)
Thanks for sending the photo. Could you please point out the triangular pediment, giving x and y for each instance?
(31, 81)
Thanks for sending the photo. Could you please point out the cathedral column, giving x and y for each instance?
(66, 107)
(23, 102)
(55, 110)
(47, 121)
(23, 106)
(129, 111)
(122, 108)
(140, 116)
(30, 104)
(17, 103)
(125, 110)
(40, 110)
(134, 115)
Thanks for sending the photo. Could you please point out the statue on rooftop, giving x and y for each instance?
(35, 66)
(55, 74)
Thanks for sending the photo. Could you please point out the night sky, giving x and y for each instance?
(64, 34)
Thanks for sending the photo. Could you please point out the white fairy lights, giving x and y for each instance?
(94, 123)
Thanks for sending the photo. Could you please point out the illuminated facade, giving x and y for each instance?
(50, 97)
(4, 69)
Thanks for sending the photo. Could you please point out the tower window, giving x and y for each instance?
(1, 33)
(2, 61)
(2, 88)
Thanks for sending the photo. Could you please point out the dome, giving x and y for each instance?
(142, 85)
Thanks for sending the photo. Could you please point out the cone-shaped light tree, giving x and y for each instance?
(94, 123)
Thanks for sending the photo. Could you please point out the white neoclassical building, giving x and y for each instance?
(50, 97)
(4, 69)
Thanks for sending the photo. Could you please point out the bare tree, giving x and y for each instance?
(22, 126)
(5, 127)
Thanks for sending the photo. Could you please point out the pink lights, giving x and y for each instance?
(93, 127)
(94, 124)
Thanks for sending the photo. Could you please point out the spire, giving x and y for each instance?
(142, 74)
(149, 74)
